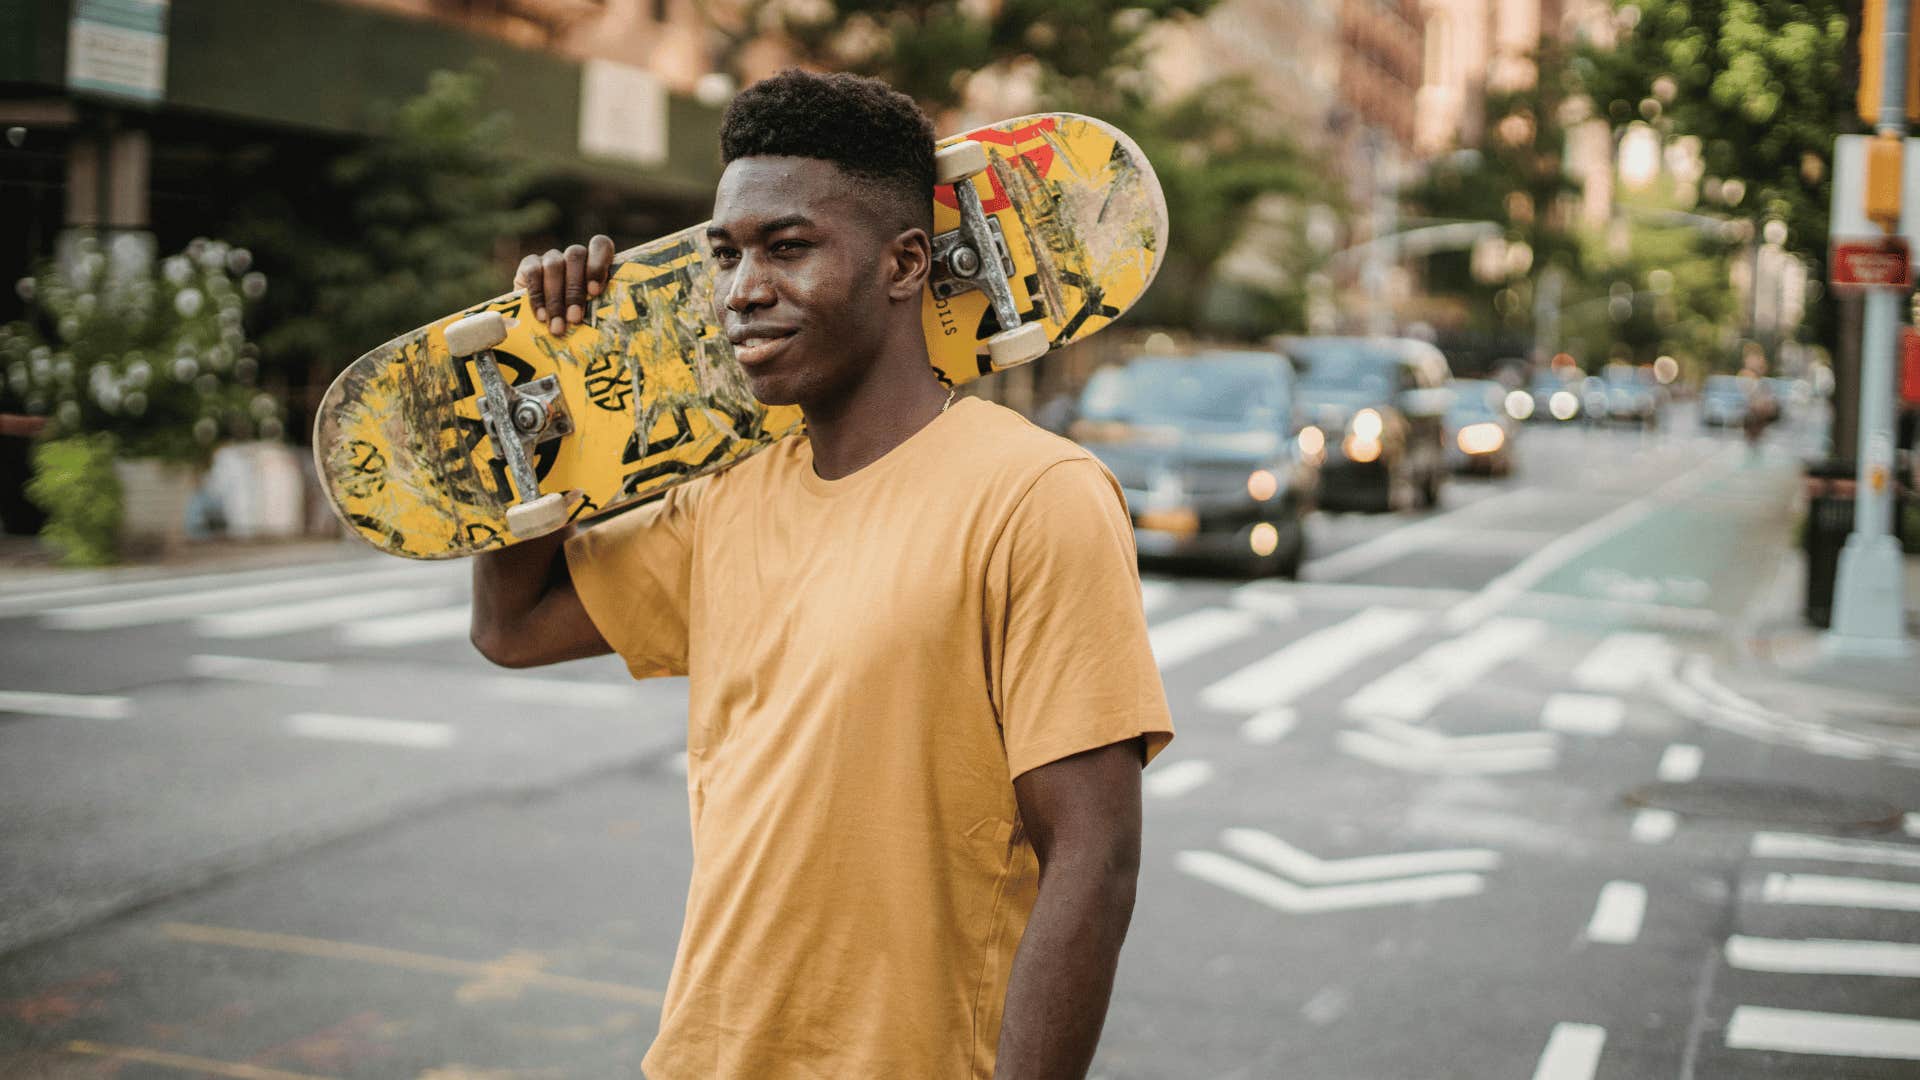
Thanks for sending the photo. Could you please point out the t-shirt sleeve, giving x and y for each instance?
(1075, 670)
(634, 573)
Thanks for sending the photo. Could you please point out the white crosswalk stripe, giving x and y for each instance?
(1180, 639)
(314, 614)
(413, 734)
(1312, 661)
(414, 628)
(1413, 690)
(146, 611)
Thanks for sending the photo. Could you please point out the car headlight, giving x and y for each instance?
(1361, 450)
(1482, 438)
(1563, 405)
(1519, 404)
(1263, 485)
(1312, 442)
(1367, 426)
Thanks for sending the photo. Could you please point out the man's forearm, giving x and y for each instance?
(1063, 973)
(508, 583)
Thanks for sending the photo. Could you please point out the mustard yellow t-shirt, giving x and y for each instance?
(872, 661)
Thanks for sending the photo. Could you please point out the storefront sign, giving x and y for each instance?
(118, 47)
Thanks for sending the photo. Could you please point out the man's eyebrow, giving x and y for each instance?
(790, 221)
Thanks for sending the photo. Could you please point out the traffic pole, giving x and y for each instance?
(1869, 611)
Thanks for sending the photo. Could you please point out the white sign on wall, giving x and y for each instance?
(623, 114)
(1849, 218)
(118, 47)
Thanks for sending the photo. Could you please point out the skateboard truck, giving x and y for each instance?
(974, 256)
(517, 419)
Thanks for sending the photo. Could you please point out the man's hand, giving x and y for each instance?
(560, 283)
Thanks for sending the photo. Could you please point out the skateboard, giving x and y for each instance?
(482, 429)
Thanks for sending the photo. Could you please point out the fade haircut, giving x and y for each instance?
(876, 135)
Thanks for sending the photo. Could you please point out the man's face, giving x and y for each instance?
(800, 277)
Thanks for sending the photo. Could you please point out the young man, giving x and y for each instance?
(921, 691)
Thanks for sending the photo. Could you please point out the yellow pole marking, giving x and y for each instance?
(185, 1062)
(410, 961)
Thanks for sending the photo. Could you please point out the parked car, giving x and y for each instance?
(1207, 452)
(1630, 397)
(1379, 407)
(1480, 430)
(1723, 401)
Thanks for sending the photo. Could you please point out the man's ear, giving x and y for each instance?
(909, 261)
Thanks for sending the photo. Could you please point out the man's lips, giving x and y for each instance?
(758, 345)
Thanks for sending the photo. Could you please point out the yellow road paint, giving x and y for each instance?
(324, 948)
(185, 1062)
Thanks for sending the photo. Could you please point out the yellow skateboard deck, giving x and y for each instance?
(649, 394)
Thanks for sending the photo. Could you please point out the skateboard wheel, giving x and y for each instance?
(1011, 348)
(539, 517)
(952, 164)
(476, 334)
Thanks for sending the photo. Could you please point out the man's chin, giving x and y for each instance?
(771, 390)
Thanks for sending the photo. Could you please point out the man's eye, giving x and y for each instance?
(790, 247)
(725, 255)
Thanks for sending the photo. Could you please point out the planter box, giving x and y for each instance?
(154, 496)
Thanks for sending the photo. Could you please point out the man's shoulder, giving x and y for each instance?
(1010, 446)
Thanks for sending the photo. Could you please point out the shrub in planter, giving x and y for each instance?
(154, 357)
(74, 482)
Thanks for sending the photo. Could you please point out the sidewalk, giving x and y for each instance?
(25, 564)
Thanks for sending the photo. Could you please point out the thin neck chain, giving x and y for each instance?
(949, 402)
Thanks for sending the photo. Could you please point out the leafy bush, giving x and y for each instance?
(73, 482)
(155, 356)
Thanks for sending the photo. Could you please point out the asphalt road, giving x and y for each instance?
(1459, 804)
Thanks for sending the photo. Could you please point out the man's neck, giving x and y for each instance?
(898, 397)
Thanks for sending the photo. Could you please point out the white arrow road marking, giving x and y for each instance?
(1311, 661)
(1266, 848)
(1654, 826)
(1269, 727)
(75, 706)
(1572, 1053)
(1282, 895)
(255, 670)
(1176, 778)
(1181, 639)
(1831, 891)
(1617, 915)
(1774, 845)
(290, 618)
(440, 624)
(1621, 662)
(1414, 689)
(413, 734)
(1394, 745)
(1583, 714)
(1680, 764)
(1796, 1032)
(1824, 956)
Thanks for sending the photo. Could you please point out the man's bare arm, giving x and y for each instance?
(1083, 816)
(525, 610)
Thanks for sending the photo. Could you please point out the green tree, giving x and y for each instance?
(425, 206)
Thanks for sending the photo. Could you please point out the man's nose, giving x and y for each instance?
(750, 287)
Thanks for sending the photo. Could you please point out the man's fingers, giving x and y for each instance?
(599, 263)
(528, 277)
(553, 266)
(576, 284)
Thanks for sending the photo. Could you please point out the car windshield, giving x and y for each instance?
(1475, 398)
(1342, 368)
(1226, 390)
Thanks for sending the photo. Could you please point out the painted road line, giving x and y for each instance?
(1465, 756)
(1910, 824)
(1311, 661)
(1283, 895)
(1828, 891)
(1598, 715)
(1618, 914)
(173, 606)
(1824, 957)
(314, 614)
(1176, 778)
(1255, 595)
(414, 628)
(1413, 690)
(187, 1063)
(1274, 605)
(1680, 764)
(327, 949)
(413, 734)
(1197, 633)
(74, 706)
(562, 692)
(96, 588)
(1572, 1053)
(1407, 539)
(1156, 594)
(1504, 589)
(1278, 855)
(251, 669)
(1776, 845)
(1654, 826)
(1269, 726)
(1792, 1031)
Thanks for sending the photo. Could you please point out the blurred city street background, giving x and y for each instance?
(1493, 436)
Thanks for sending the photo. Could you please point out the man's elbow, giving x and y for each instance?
(499, 648)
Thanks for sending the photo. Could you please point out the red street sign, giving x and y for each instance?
(1880, 261)
(1909, 365)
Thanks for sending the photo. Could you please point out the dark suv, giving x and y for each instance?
(1379, 405)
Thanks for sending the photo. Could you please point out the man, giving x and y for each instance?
(920, 687)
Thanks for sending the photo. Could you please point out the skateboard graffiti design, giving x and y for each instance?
(481, 428)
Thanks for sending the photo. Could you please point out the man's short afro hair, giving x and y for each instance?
(870, 130)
